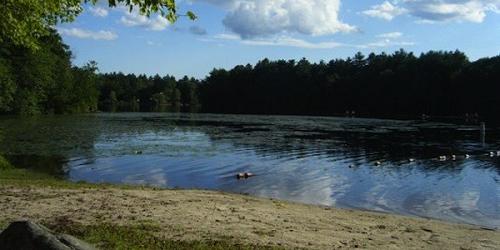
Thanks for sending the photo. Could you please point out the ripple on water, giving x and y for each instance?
(319, 160)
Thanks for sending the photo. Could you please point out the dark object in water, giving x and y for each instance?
(138, 152)
(489, 229)
(28, 235)
(245, 175)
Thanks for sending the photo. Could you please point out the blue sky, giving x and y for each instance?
(232, 32)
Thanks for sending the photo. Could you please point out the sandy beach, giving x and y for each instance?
(188, 215)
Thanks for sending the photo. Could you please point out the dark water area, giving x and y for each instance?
(317, 160)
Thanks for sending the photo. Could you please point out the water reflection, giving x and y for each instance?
(329, 161)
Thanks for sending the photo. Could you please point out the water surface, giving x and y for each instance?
(317, 160)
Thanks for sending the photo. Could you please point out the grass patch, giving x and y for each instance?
(3, 225)
(144, 236)
(24, 177)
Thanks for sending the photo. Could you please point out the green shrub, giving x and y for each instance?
(4, 164)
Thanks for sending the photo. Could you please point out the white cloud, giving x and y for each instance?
(450, 10)
(391, 39)
(99, 11)
(493, 6)
(391, 35)
(226, 36)
(431, 11)
(386, 11)
(134, 19)
(197, 30)
(260, 18)
(282, 41)
(385, 40)
(292, 42)
(87, 34)
(384, 43)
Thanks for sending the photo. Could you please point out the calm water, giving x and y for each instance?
(329, 161)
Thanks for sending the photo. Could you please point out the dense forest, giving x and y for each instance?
(43, 80)
(435, 83)
(400, 84)
(131, 93)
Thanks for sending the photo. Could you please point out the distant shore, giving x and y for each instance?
(101, 213)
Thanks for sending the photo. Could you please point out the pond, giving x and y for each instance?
(380, 165)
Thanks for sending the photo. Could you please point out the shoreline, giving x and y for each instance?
(206, 216)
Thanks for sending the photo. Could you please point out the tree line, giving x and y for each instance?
(435, 83)
(131, 93)
(43, 81)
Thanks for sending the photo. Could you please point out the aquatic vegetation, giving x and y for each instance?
(318, 160)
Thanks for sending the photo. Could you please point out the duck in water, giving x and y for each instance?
(245, 175)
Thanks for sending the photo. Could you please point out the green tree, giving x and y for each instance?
(111, 103)
(7, 87)
(134, 104)
(23, 22)
(175, 100)
(160, 103)
(41, 81)
(85, 95)
(189, 94)
(37, 73)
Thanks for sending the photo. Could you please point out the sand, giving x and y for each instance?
(202, 215)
